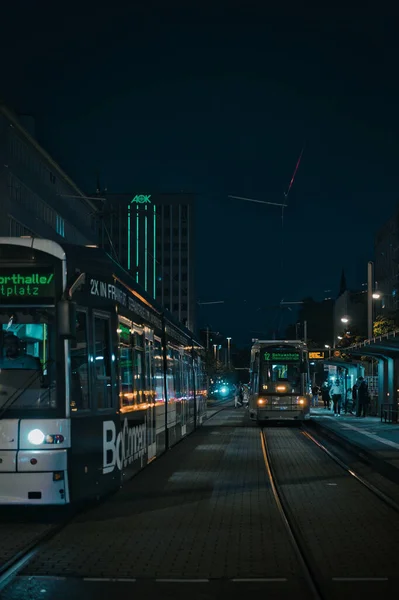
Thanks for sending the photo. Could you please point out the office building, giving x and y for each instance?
(152, 236)
(386, 267)
(36, 197)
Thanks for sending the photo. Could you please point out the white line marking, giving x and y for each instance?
(43, 577)
(113, 579)
(263, 580)
(371, 435)
(360, 578)
(182, 580)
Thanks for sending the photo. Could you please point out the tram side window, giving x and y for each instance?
(177, 366)
(80, 397)
(103, 389)
(169, 375)
(138, 375)
(158, 372)
(148, 367)
(125, 366)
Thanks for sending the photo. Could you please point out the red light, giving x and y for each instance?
(33, 461)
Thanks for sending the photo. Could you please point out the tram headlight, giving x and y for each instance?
(301, 400)
(36, 437)
(262, 401)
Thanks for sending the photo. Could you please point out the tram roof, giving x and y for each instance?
(89, 257)
(298, 343)
(95, 260)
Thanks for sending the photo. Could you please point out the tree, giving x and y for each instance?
(349, 339)
(384, 324)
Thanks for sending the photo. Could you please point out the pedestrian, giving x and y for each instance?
(336, 395)
(363, 397)
(315, 395)
(325, 394)
(237, 401)
(348, 401)
(354, 398)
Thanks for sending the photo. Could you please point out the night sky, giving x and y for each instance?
(220, 102)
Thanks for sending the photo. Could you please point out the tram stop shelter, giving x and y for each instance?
(351, 369)
(385, 349)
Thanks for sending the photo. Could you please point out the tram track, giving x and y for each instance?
(293, 534)
(14, 565)
(310, 569)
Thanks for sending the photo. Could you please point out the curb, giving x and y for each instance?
(380, 465)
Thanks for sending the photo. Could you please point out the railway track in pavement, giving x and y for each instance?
(335, 519)
(15, 554)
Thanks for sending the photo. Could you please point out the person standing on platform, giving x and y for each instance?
(363, 398)
(315, 396)
(325, 394)
(336, 395)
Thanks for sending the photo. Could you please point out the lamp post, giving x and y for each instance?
(228, 351)
(214, 350)
(370, 279)
(329, 350)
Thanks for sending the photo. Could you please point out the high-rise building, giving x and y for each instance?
(37, 198)
(386, 274)
(152, 236)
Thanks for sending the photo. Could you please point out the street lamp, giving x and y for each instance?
(376, 295)
(214, 350)
(228, 351)
(345, 320)
(329, 350)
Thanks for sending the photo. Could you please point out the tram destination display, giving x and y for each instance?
(283, 356)
(27, 285)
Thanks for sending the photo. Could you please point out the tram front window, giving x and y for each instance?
(27, 365)
(283, 373)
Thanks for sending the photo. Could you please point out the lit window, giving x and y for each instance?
(60, 226)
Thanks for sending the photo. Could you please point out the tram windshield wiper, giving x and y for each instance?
(31, 378)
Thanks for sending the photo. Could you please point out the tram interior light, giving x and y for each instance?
(36, 437)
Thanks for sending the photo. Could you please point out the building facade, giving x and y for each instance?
(36, 197)
(152, 236)
(352, 307)
(386, 265)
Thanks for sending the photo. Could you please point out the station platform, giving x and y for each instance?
(367, 436)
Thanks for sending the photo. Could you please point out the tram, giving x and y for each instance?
(279, 381)
(96, 379)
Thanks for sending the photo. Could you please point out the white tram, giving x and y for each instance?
(279, 381)
(96, 380)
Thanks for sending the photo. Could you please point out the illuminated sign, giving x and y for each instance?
(316, 355)
(32, 285)
(337, 353)
(282, 356)
(141, 199)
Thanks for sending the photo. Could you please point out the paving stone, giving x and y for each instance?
(204, 510)
(348, 531)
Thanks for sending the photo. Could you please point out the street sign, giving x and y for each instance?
(316, 355)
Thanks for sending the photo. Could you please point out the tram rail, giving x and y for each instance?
(13, 566)
(316, 585)
(293, 535)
